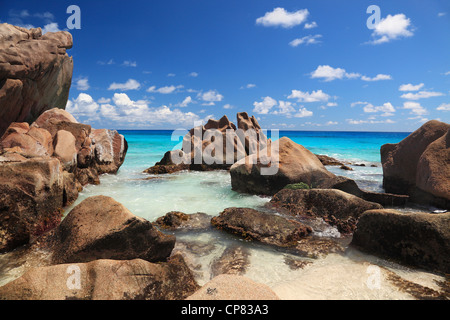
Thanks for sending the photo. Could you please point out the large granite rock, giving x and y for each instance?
(101, 228)
(105, 280)
(31, 199)
(215, 146)
(295, 164)
(35, 73)
(336, 207)
(110, 150)
(419, 165)
(416, 239)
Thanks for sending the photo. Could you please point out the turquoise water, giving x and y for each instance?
(210, 192)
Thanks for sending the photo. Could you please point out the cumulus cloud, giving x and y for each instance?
(83, 106)
(284, 108)
(387, 109)
(165, 90)
(392, 28)
(357, 122)
(249, 86)
(314, 96)
(378, 77)
(329, 73)
(210, 97)
(415, 108)
(82, 84)
(264, 106)
(411, 87)
(279, 17)
(303, 113)
(421, 95)
(444, 107)
(129, 63)
(51, 27)
(186, 102)
(131, 84)
(307, 40)
(193, 74)
(311, 25)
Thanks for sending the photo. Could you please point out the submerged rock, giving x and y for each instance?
(180, 221)
(234, 260)
(101, 228)
(261, 226)
(418, 166)
(105, 280)
(336, 207)
(416, 239)
(36, 73)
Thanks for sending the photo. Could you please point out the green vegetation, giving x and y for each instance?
(297, 186)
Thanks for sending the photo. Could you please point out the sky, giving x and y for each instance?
(295, 65)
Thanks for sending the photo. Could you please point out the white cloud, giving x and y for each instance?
(109, 62)
(228, 106)
(193, 74)
(421, 95)
(165, 90)
(331, 123)
(378, 77)
(392, 28)
(314, 96)
(357, 122)
(311, 25)
(411, 87)
(131, 84)
(264, 106)
(171, 75)
(104, 100)
(307, 40)
(249, 86)
(441, 14)
(279, 17)
(284, 108)
(186, 102)
(51, 27)
(82, 84)
(444, 107)
(415, 108)
(387, 108)
(83, 105)
(354, 104)
(329, 73)
(129, 64)
(447, 73)
(210, 97)
(303, 113)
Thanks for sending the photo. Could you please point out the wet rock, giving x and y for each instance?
(260, 226)
(105, 280)
(330, 161)
(180, 221)
(334, 206)
(416, 239)
(234, 260)
(101, 228)
(294, 263)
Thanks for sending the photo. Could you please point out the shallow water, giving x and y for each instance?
(338, 276)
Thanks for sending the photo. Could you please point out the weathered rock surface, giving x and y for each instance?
(214, 146)
(336, 207)
(416, 239)
(105, 280)
(101, 228)
(234, 260)
(35, 73)
(295, 164)
(64, 157)
(261, 226)
(233, 287)
(180, 221)
(31, 199)
(419, 165)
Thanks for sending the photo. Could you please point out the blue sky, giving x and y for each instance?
(295, 65)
